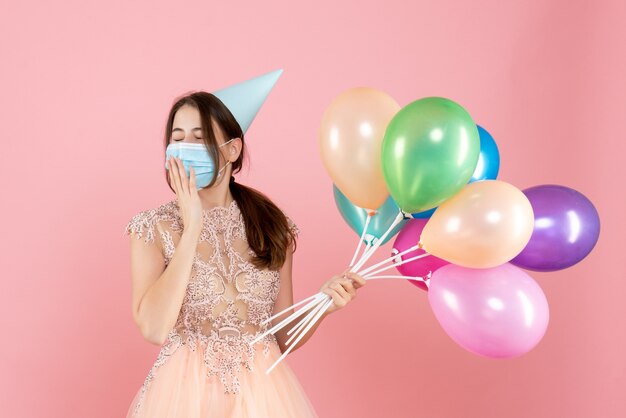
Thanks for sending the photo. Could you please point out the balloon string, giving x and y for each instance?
(293, 316)
(367, 248)
(379, 242)
(358, 247)
(367, 270)
(319, 299)
(289, 308)
(319, 313)
(366, 256)
(303, 322)
(415, 278)
(413, 248)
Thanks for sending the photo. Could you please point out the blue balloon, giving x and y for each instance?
(486, 169)
(356, 216)
(426, 214)
(488, 159)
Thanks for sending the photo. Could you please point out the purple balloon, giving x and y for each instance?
(498, 312)
(408, 236)
(566, 229)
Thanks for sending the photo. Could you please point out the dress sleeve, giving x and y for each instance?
(143, 225)
(292, 226)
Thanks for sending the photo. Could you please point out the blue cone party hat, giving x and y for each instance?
(244, 99)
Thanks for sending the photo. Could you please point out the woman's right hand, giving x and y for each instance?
(187, 194)
(342, 289)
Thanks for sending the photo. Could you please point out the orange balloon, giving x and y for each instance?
(351, 134)
(484, 225)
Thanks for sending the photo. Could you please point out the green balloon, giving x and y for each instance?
(429, 153)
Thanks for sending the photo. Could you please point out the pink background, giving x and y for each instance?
(85, 93)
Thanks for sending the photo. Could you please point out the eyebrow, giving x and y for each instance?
(180, 129)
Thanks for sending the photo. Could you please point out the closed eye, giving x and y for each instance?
(179, 140)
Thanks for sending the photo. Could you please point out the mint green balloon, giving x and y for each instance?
(429, 153)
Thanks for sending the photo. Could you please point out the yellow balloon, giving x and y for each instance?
(484, 225)
(351, 134)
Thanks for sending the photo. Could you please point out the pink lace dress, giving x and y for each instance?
(206, 368)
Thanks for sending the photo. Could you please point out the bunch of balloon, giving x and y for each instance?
(427, 173)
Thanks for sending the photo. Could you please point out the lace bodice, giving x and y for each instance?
(227, 297)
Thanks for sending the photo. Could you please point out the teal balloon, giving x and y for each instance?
(429, 152)
(356, 216)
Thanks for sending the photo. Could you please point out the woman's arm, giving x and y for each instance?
(341, 289)
(284, 300)
(158, 291)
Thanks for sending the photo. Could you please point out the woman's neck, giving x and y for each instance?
(218, 195)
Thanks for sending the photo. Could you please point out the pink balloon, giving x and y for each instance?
(409, 236)
(499, 312)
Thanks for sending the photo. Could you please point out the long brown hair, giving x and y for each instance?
(267, 229)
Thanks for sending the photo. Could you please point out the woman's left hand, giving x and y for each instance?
(342, 288)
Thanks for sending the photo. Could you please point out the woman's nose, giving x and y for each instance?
(192, 138)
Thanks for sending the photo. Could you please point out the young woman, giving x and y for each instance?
(213, 264)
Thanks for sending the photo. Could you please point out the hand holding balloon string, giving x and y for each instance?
(321, 302)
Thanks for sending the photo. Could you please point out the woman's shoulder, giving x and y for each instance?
(144, 222)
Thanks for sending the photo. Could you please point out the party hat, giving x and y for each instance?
(244, 99)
